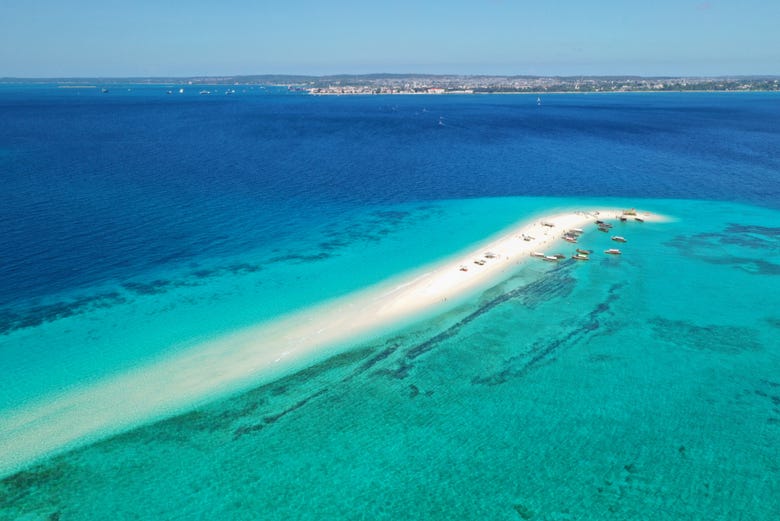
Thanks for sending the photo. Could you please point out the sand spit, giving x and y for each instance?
(262, 353)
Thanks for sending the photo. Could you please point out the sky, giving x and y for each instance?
(56, 38)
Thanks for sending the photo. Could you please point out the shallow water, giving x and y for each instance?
(638, 387)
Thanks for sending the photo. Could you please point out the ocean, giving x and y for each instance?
(138, 224)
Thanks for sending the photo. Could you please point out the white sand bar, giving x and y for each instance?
(262, 353)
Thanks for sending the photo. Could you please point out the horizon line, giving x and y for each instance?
(385, 75)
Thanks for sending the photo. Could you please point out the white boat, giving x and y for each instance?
(618, 238)
(613, 251)
(551, 258)
(580, 256)
(537, 254)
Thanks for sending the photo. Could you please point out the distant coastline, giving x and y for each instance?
(367, 84)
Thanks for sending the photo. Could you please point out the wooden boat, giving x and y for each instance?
(603, 229)
(580, 256)
(464, 268)
(584, 252)
(618, 238)
(569, 238)
(613, 251)
(559, 255)
(537, 254)
(480, 262)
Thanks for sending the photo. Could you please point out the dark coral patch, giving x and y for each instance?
(723, 339)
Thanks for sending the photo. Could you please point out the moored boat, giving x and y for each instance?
(551, 258)
(537, 254)
(613, 251)
(580, 256)
(584, 252)
(618, 238)
(569, 238)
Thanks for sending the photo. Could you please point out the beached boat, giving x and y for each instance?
(639, 219)
(551, 258)
(577, 231)
(631, 211)
(537, 254)
(569, 238)
(613, 251)
(479, 262)
(618, 238)
(584, 252)
(548, 224)
(580, 256)
(463, 268)
(490, 255)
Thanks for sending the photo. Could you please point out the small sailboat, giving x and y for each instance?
(538, 101)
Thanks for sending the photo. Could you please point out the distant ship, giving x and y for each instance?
(104, 90)
(538, 101)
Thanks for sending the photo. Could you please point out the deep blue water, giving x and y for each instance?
(104, 186)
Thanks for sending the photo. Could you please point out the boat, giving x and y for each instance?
(577, 231)
(603, 229)
(618, 238)
(490, 255)
(580, 256)
(104, 91)
(181, 91)
(537, 254)
(538, 101)
(463, 268)
(584, 252)
(480, 262)
(623, 219)
(204, 92)
(599, 221)
(613, 251)
(630, 211)
(551, 258)
(548, 224)
(639, 219)
(559, 256)
(569, 238)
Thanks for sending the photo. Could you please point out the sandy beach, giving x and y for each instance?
(262, 353)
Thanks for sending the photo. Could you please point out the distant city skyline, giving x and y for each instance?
(499, 37)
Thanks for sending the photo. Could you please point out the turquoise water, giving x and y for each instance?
(639, 387)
